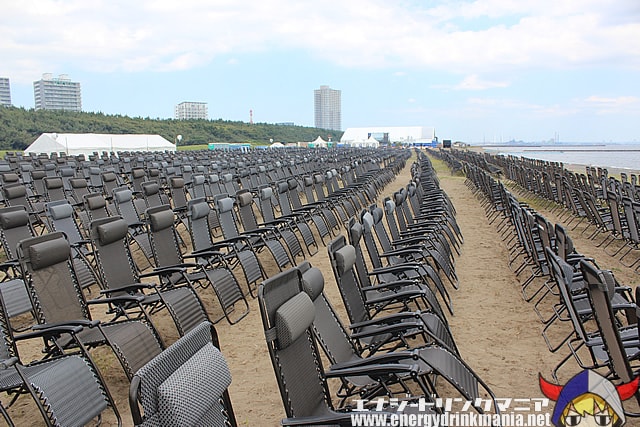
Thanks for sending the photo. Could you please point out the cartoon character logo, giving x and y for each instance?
(588, 399)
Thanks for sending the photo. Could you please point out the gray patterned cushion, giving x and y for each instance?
(244, 199)
(48, 253)
(60, 211)
(13, 219)
(313, 282)
(150, 188)
(225, 204)
(283, 187)
(53, 182)
(199, 210)
(266, 193)
(96, 201)
(123, 195)
(177, 182)
(161, 219)
(345, 258)
(293, 318)
(193, 390)
(13, 191)
(112, 231)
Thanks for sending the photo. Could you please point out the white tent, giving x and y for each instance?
(413, 135)
(87, 143)
(318, 143)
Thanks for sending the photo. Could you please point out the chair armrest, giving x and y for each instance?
(388, 319)
(78, 322)
(133, 287)
(48, 330)
(390, 285)
(395, 268)
(117, 300)
(394, 329)
(396, 296)
(392, 357)
(7, 363)
(373, 370)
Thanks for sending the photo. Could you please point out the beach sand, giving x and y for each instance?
(498, 334)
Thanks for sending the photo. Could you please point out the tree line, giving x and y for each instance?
(19, 127)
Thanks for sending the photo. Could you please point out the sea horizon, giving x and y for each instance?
(620, 155)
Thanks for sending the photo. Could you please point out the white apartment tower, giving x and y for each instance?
(5, 92)
(191, 110)
(327, 108)
(57, 93)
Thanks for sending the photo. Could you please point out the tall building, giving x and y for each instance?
(327, 107)
(192, 110)
(57, 93)
(5, 91)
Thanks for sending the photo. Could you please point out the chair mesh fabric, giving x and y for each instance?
(15, 296)
(209, 371)
(70, 391)
(185, 308)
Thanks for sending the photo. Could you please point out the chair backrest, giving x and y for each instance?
(14, 226)
(54, 289)
(79, 187)
(60, 215)
(343, 258)
(562, 273)
(184, 385)
(244, 200)
(109, 238)
(178, 193)
(54, 188)
(224, 206)
(109, 182)
(327, 327)
(599, 284)
(287, 317)
(151, 193)
(96, 205)
(72, 392)
(162, 233)
(199, 227)
(266, 206)
(123, 200)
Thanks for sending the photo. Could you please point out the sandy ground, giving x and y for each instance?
(498, 334)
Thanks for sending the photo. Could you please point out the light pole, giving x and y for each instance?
(177, 140)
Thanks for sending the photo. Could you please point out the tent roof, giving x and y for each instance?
(396, 133)
(87, 143)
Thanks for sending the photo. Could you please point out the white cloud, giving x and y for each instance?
(473, 82)
(612, 105)
(468, 37)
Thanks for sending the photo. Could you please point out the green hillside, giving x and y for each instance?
(20, 127)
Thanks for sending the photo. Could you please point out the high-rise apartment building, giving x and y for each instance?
(57, 93)
(5, 91)
(192, 110)
(327, 108)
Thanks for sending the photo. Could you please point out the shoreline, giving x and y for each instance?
(573, 167)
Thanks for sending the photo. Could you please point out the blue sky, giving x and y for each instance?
(483, 70)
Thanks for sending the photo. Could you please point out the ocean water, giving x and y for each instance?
(621, 156)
